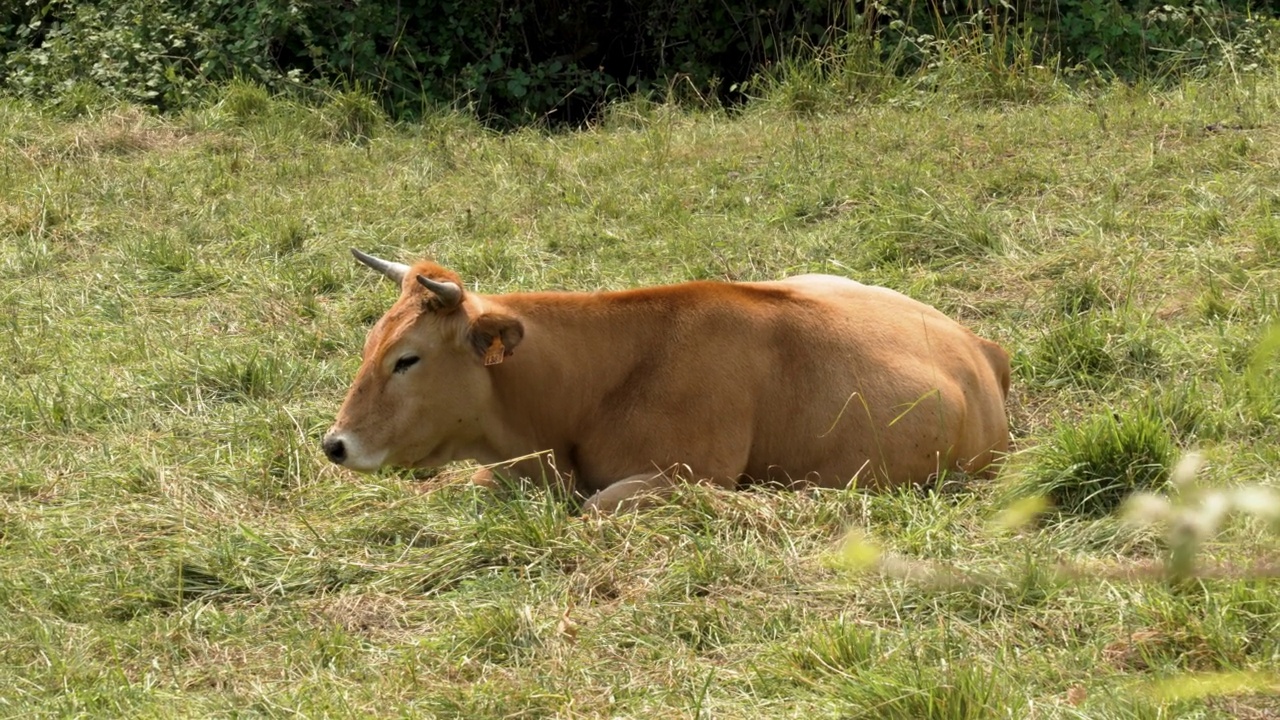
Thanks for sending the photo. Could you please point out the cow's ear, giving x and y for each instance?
(494, 336)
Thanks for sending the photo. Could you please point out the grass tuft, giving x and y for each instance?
(496, 633)
(1078, 296)
(837, 649)
(1089, 467)
(1077, 351)
(352, 116)
(244, 100)
(241, 379)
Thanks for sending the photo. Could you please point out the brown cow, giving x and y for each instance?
(812, 380)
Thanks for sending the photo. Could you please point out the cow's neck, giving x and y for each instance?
(574, 355)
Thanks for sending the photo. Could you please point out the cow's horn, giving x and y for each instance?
(448, 292)
(393, 270)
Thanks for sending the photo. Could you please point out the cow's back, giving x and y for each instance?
(879, 385)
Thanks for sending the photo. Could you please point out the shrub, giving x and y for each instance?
(519, 60)
(551, 60)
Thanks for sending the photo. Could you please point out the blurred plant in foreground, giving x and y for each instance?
(1197, 514)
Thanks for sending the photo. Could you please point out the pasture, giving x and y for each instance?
(181, 318)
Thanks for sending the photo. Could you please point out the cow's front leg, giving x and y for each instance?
(485, 478)
(644, 490)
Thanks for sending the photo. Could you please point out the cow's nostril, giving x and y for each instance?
(334, 449)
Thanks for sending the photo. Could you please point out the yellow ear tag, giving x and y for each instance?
(495, 353)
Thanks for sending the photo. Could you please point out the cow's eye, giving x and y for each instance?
(405, 363)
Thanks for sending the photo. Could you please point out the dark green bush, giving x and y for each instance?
(515, 59)
(559, 60)
(1136, 37)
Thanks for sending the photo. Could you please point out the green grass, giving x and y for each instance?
(181, 318)
(1088, 467)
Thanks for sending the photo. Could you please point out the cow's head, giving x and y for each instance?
(423, 387)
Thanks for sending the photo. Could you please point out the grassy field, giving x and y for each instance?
(181, 318)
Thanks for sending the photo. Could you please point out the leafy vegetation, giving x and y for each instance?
(522, 61)
(181, 318)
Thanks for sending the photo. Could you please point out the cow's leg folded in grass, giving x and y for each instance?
(485, 478)
(643, 490)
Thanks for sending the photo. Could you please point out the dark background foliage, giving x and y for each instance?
(522, 60)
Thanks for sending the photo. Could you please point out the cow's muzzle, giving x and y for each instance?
(334, 449)
(345, 449)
